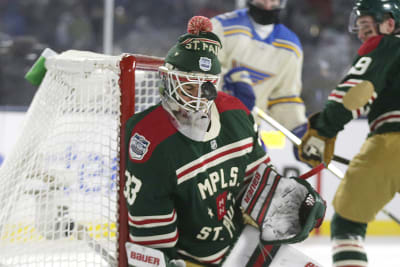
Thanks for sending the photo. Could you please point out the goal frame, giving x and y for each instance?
(128, 65)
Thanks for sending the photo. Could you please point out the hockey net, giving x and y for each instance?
(61, 199)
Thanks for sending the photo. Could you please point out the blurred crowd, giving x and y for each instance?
(150, 27)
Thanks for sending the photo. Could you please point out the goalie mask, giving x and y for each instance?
(190, 78)
(378, 9)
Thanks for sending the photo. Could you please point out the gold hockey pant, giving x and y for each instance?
(372, 179)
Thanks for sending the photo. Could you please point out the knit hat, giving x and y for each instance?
(197, 50)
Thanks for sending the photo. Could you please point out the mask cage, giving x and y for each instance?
(175, 87)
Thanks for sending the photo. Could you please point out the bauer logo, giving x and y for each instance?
(144, 256)
(138, 147)
(205, 63)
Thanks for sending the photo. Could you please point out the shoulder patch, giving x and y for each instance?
(138, 146)
(225, 102)
(370, 45)
(148, 133)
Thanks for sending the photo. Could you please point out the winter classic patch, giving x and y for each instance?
(138, 146)
(205, 63)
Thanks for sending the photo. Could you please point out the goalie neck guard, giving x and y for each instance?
(190, 77)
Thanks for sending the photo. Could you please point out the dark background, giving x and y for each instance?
(151, 27)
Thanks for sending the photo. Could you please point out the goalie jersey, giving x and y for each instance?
(181, 194)
(377, 64)
(274, 64)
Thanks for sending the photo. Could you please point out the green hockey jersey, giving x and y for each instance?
(378, 61)
(181, 194)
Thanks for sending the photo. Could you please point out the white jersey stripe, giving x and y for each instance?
(257, 162)
(350, 83)
(393, 116)
(152, 221)
(336, 99)
(350, 263)
(338, 93)
(251, 168)
(213, 163)
(153, 217)
(336, 96)
(156, 241)
(348, 248)
(214, 158)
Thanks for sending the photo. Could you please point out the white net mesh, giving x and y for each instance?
(59, 185)
(146, 93)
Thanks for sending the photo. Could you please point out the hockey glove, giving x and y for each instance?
(237, 83)
(284, 209)
(315, 148)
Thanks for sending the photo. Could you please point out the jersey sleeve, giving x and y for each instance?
(286, 96)
(375, 67)
(218, 29)
(258, 154)
(152, 218)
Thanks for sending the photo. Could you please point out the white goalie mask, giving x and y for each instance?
(188, 97)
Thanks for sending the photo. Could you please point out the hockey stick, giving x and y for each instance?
(297, 141)
(67, 226)
(312, 172)
(81, 233)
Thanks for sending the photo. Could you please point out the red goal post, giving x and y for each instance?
(144, 64)
(61, 185)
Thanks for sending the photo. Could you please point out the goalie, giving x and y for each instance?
(195, 165)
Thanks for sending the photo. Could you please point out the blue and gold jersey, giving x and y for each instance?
(274, 63)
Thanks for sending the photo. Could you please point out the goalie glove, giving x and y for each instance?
(284, 209)
(237, 83)
(315, 148)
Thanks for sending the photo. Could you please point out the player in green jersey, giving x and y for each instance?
(190, 159)
(372, 88)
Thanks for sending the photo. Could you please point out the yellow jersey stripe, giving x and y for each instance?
(285, 100)
(287, 46)
(236, 31)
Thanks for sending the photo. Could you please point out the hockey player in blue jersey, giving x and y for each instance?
(262, 61)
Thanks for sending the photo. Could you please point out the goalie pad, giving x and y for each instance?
(150, 257)
(144, 256)
(284, 209)
(250, 252)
